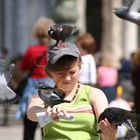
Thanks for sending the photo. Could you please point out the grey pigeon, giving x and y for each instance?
(118, 116)
(61, 32)
(7, 95)
(129, 12)
(51, 96)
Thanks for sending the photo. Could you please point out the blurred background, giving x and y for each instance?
(112, 34)
(17, 17)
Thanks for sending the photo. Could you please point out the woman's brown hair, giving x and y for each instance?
(63, 64)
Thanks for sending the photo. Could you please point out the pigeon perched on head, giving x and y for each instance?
(117, 117)
(61, 32)
(50, 96)
(7, 95)
(129, 12)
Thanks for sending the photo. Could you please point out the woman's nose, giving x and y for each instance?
(67, 77)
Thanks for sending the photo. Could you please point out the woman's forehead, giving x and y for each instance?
(73, 67)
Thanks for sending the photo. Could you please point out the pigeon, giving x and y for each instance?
(8, 72)
(7, 95)
(61, 32)
(118, 116)
(51, 96)
(130, 12)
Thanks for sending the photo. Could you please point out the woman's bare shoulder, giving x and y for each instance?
(98, 94)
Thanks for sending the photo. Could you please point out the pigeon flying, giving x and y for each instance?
(7, 95)
(128, 13)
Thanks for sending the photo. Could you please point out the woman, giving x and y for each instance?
(85, 103)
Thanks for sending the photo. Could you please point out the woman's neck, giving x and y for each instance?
(72, 94)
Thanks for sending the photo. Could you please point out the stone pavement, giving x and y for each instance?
(14, 132)
(10, 128)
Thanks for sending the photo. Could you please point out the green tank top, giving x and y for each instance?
(84, 125)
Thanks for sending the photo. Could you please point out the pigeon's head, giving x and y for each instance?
(54, 31)
(50, 96)
(120, 11)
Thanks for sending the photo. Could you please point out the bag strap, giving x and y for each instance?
(36, 63)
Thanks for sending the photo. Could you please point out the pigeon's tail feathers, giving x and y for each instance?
(129, 125)
(8, 96)
(74, 30)
(133, 116)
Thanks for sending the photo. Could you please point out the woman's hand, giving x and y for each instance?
(108, 131)
(55, 112)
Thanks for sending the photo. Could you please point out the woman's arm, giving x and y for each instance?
(99, 101)
(36, 105)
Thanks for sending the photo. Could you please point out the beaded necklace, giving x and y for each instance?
(77, 90)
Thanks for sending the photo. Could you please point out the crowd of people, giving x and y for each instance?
(87, 88)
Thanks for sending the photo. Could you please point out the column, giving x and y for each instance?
(81, 10)
(112, 30)
(130, 41)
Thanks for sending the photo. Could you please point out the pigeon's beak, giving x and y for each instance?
(114, 10)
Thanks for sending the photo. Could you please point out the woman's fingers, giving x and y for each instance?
(55, 112)
(107, 129)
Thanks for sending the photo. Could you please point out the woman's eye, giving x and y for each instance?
(72, 72)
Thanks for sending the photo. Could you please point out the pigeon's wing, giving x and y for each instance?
(8, 73)
(70, 29)
(3, 82)
(2, 64)
(47, 95)
(7, 70)
(130, 4)
(6, 94)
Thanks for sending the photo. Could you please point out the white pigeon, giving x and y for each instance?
(7, 95)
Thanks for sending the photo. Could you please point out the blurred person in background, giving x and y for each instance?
(135, 75)
(40, 32)
(107, 76)
(125, 80)
(86, 45)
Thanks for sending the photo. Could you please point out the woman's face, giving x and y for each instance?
(66, 80)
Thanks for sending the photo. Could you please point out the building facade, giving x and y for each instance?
(113, 35)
